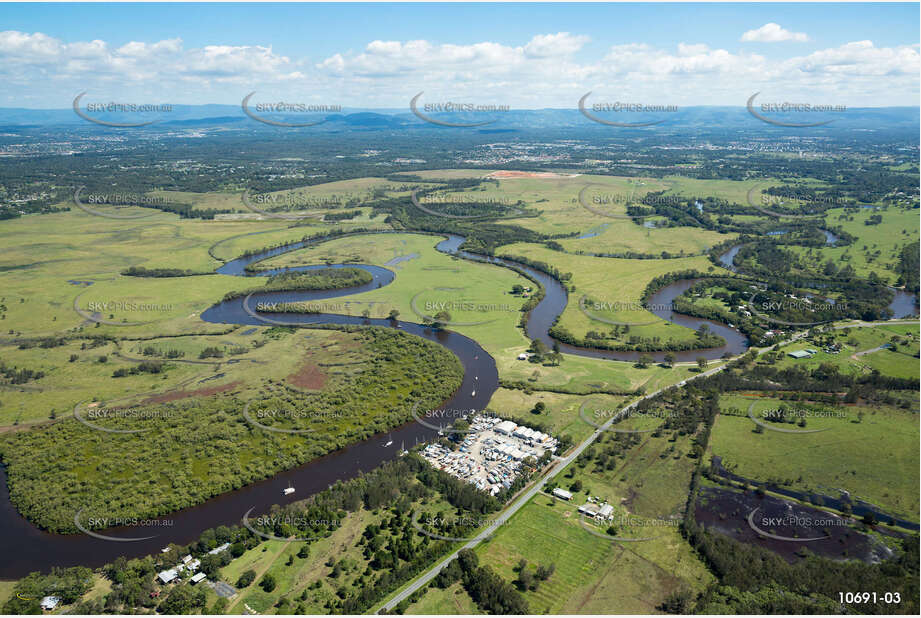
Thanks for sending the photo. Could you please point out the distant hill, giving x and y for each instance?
(699, 117)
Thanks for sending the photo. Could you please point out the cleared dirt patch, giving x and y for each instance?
(309, 376)
(515, 174)
(202, 392)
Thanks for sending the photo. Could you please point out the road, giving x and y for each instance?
(565, 461)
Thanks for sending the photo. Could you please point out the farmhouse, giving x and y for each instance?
(597, 511)
(799, 354)
(49, 603)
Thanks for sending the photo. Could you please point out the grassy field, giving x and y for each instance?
(295, 578)
(616, 286)
(86, 378)
(6, 589)
(585, 375)
(247, 360)
(314, 199)
(878, 246)
(101, 587)
(561, 413)
(313, 581)
(562, 213)
(453, 600)
(650, 480)
(44, 253)
(847, 455)
(735, 191)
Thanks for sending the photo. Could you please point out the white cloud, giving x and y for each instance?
(861, 58)
(390, 58)
(160, 66)
(689, 60)
(543, 71)
(28, 47)
(559, 44)
(138, 49)
(773, 33)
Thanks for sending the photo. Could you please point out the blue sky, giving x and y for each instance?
(525, 55)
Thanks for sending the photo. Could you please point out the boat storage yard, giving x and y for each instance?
(490, 453)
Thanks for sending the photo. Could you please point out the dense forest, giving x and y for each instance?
(193, 449)
(319, 279)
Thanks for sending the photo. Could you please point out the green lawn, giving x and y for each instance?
(450, 601)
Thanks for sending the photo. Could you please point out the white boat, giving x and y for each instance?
(389, 442)
(287, 491)
(473, 394)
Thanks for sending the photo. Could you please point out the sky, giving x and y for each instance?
(526, 56)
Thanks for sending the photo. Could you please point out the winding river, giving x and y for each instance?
(25, 548)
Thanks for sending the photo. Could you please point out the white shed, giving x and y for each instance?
(562, 493)
(197, 578)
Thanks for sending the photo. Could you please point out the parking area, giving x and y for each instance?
(490, 455)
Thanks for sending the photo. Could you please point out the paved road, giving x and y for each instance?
(565, 461)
